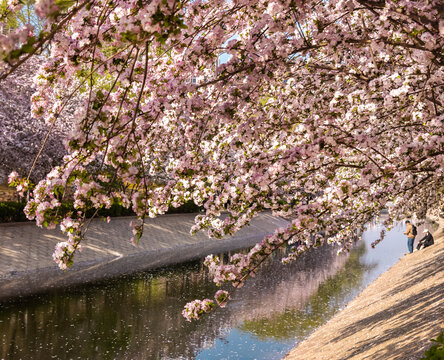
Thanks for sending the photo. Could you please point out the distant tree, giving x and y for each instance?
(326, 112)
(22, 135)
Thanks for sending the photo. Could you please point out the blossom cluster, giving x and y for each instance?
(64, 252)
(46, 8)
(12, 41)
(241, 266)
(21, 185)
(195, 309)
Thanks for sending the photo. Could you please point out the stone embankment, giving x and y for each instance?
(392, 319)
(26, 265)
(7, 193)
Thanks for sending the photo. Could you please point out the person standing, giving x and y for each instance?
(410, 235)
(427, 240)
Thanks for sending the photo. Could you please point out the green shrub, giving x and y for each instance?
(188, 207)
(436, 352)
(13, 211)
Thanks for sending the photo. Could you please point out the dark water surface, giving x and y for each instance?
(139, 316)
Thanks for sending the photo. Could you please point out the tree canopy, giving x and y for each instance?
(325, 113)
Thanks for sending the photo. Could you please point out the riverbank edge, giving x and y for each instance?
(41, 279)
(393, 318)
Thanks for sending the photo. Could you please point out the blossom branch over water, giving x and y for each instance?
(325, 113)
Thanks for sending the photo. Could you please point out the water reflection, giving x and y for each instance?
(300, 321)
(139, 317)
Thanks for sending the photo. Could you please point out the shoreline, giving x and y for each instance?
(394, 318)
(28, 269)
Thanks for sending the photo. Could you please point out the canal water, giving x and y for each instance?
(139, 316)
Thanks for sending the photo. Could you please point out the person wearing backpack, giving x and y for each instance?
(411, 232)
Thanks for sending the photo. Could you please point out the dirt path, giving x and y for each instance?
(394, 318)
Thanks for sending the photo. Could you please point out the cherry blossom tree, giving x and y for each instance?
(22, 135)
(325, 113)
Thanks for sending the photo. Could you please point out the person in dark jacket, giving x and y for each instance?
(426, 241)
